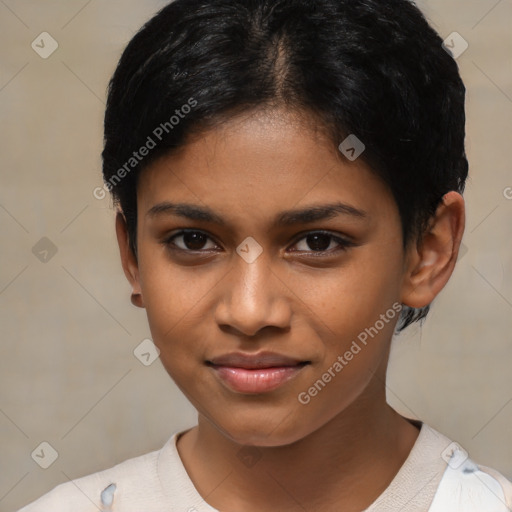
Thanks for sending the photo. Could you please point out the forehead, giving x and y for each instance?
(263, 162)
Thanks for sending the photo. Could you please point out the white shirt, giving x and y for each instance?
(437, 476)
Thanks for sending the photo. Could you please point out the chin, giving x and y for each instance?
(265, 434)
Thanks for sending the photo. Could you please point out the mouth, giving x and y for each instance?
(258, 373)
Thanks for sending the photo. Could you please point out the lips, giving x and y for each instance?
(255, 361)
(255, 373)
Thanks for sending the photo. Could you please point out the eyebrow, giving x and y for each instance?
(286, 218)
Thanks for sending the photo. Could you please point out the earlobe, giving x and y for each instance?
(431, 261)
(128, 260)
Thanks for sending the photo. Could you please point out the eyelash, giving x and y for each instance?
(343, 242)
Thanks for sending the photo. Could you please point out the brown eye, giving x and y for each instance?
(322, 242)
(319, 241)
(190, 241)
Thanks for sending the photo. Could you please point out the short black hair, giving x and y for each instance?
(372, 68)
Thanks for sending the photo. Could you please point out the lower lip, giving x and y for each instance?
(258, 380)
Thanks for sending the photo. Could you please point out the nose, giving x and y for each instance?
(253, 297)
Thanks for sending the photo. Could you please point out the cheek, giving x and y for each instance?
(172, 300)
(173, 295)
(178, 303)
(354, 357)
(357, 296)
(355, 316)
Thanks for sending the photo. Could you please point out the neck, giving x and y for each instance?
(348, 462)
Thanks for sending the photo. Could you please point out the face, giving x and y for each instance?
(271, 269)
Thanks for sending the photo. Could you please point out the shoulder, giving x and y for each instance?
(466, 486)
(93, 492)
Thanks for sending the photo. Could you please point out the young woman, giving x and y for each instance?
(288, 178)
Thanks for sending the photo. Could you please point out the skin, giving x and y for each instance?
(342, 449)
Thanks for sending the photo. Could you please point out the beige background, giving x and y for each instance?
(68, 374)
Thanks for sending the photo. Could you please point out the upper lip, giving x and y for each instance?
(255, 361)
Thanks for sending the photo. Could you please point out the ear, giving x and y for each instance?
(430, 262)
(128, 259)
